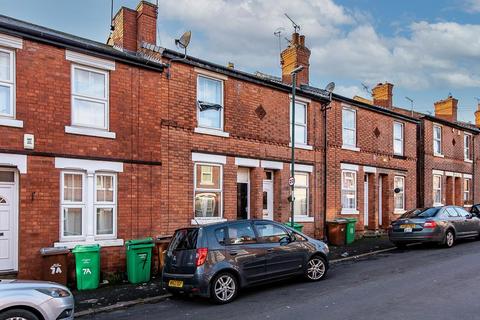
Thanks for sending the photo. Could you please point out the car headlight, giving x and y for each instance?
(55, 292)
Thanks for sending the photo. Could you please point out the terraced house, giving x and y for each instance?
(102, 143)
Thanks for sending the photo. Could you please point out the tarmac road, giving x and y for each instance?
(419, 283)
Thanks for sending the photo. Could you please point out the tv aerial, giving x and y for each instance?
(366, 89)
(278, 33)
(411, 103)
(296, 27)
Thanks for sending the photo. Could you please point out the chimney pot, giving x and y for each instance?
(302, 40)
(295, 38)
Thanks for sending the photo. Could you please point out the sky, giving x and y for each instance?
(428, 49)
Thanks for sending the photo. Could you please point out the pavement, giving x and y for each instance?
(422, 282)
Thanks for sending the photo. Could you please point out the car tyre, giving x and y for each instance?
(224, 288)
(18, 314)
(449, 239)
(316, 269)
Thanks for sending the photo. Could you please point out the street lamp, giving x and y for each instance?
(291, 181)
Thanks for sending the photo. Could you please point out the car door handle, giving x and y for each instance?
(1, 234)
(233, 253)
(270, 250)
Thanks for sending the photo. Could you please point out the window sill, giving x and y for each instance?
(349, 211)
(468, 160)
(399, 211)
(212, 132)
(11, 123)
(90, 132)
(439, 155)
(438, 204)
(202, 221)
(301, 146)
(302, 219)
(467, 205)
(351, 148)
(102, 243)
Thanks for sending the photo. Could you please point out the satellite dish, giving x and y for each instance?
(330, 87)
(184, 40)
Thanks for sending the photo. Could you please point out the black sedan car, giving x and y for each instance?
(442, 225)
(217, 260)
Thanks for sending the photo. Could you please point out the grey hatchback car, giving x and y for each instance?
(443, 225)
(217, 260)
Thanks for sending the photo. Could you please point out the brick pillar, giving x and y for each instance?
(458, 191)
(373, 202)
(230, 189)
(449, 191)
(256, 193)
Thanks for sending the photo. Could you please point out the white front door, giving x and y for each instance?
(268, 199)
(8, 222)
(365, 201)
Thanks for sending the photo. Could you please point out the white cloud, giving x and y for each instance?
(472, 6)
(350, 91)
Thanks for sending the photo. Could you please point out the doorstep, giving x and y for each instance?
(360, 246)
(110, 295)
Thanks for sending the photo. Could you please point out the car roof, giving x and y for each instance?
(226, 223)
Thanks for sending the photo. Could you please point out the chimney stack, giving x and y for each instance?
(447, 109)
(477, 116)
(132, 27)
(295, 55)
(383, 95)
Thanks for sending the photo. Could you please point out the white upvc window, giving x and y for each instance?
(466, 190)
(437, 140)
(210, 103)
(90, 97)
(349, 127)
(301, 194)
(399, 197)
(437, 190)
(208, 190)
(398, 137)
(301, 131)
(77, 212)
(467, 146)
(349, 190)
(7, 83)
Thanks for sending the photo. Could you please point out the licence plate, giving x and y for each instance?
(407, 226)
(175, 283)
(407, 230)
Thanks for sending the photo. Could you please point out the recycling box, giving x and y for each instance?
(139, 259)
(87, 265)
(54, 264)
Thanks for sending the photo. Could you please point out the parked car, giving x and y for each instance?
(217, 260)
(443, 225)
(35, 300)
(475, 210)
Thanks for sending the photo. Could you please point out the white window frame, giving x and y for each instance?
(354, 128)
(401, 139)
(300, 124)
(89, 209)
(402, 193)
(221, 129)
(105, 204)
(195, 190)
(349, 210)
(11, 84)
(68, 204)
(105, 100)
(439, 140)
(307, 187)
(466, 191)
(434, 189)
(467, 150)
(209, 181)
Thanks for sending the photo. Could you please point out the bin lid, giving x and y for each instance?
(338, 221)
(54, 251)
(351, 219)
(139, 241)
(86, 248)
(163, 238)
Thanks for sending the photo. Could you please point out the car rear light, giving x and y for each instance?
(429, 225)
(201, 256)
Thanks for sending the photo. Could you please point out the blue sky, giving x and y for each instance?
(427, 48)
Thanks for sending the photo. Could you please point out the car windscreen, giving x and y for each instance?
(422, 213)
(184, 239)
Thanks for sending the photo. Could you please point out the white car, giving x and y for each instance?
(35, 300)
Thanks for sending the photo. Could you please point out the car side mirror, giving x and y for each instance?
(469, 216)
(285, 240)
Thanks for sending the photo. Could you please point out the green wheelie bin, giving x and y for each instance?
(87, 266)
(350, 230)
(296, 226)
(139, 259)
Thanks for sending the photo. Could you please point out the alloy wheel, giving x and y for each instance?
(449, 239)
(225, 288)
(315, 269)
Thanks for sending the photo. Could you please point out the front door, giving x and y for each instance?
(243, 193)
(268, 199)
(365, 202)
(8, 222)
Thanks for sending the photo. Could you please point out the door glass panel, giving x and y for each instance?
(269, 232)
(241, 233)
(7, 176)
(265, 200)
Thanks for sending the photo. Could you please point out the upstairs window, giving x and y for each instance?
(349, 127)
(89, 97)
(7, 83)
(300, 123)
(437, 139)
(467, 146)
(210, 103)
(398, 138)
